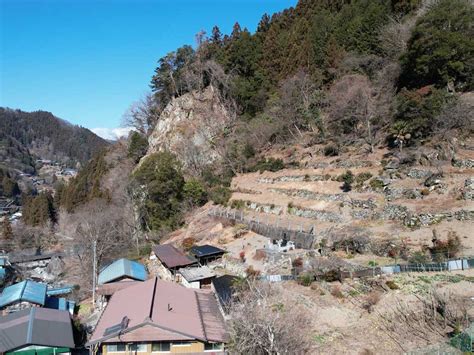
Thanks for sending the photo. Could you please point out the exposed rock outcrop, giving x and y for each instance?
(189, 127)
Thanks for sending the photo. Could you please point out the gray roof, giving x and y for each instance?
(196, 273)
(36, 326)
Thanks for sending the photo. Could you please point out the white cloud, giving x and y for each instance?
(112, 133)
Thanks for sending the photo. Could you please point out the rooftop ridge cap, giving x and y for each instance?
(29, 332)
(23, 288)
(150, 314)
(200, 315)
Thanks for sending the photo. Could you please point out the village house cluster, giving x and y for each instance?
(179, 308)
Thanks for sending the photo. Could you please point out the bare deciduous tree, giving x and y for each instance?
(267, 321)
(103, 226)
(431, 317)
(142, 115)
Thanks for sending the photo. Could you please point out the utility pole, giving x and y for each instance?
(94, 268)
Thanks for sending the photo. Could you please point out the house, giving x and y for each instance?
(120, 274)
(36, 331)
(206, 253)
(123, 270)
(171, 259)
(223, 287)
(27, 294)
(23, 295)
(160, 316)
(196, 277)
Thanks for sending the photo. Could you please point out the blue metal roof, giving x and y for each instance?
(64, 290)
(25, 291)
(3, 273)
(123, 268)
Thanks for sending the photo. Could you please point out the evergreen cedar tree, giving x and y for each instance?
(315, 36)
(39, 210)
(162, 182)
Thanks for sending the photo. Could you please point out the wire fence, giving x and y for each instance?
(275, 230)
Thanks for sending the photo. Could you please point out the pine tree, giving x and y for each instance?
(216, 36)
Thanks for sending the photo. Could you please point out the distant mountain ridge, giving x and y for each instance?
(43, 135)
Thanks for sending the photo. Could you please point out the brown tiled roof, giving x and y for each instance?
(172, 257)
(161, 311)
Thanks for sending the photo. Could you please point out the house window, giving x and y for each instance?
(212, 346)
(160, 347)
(114, 348)
(138, 347)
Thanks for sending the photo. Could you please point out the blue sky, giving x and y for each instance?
(87, 60)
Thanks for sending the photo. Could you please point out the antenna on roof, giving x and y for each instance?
(169, 308)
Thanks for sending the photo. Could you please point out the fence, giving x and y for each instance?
(464, 263)
(274, 231)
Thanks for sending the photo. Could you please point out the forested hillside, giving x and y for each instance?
(349, 72)
(46, 137)
(332, 75)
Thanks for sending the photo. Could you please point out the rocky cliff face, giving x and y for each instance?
(189, 127)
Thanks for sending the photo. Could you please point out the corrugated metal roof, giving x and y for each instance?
(165, 305)
(59, 290)
(206, 250)
(172, 257)
(25, 291)
(123, 268)
(35, 326)
(196, 273)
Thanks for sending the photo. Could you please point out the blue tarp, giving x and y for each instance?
(25, 291)
(123, 268)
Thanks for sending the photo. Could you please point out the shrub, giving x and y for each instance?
(270, 164)
(237, 204)
(305, 279)
(347, 178)
(372, 263)
(220, 195)
(336, 291)
(362, 177)
(445, 249)
(188, 243)
(392, 285)
(331, 150)
(194, 192)
(419, 257)
(370, 300)
(298, 262)
(376, 184)
(252, 273)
